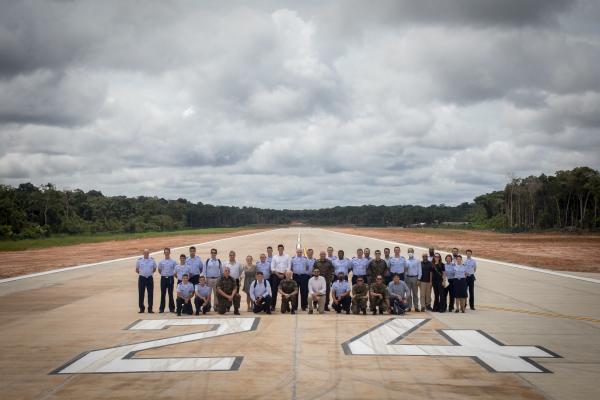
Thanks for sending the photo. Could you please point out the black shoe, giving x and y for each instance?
(268, 311)
(236, 312)
(197, 313)
(179, 314)
(347, 312)
(456, 312)
(380, 311)
(374, 312)
(310, 311)
(326, 308)
(203, 312)
(430, 309)
(150, 312)
(462, 311)
(473, 308)
(303, 308)
(141, 312)
(401, 312)
(161, 311)
(338, 311)
(293, 312)
(365, 311)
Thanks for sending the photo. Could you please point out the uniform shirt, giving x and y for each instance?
(300, 265)
(311, 264)
(288, 287)
(195, 264)
(269, 259)
(342, 265)
(359, 266)
(460, 271)
(203, 291)
(400, 289)
(471, 266)
(397, 265)
(180, 270)
(326, 268)
(360, 290)
(340, 287)
(186, 289)
(146, 266)
(449, 267)
(166, 267)
(281, 263)
(260, 289)
(265, 268)
(376, 267)
(413, 267)
(317, 285)
(332, 258)
(226, 284)
(379, 288)
(235, 269)
(213, 268)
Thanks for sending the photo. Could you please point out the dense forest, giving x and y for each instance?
(567, 200)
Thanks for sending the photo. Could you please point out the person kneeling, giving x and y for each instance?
(288, 289)
(317, 289)
(340, 294)
(185, 292)
(361, 293)
(227, 293)
(378, 295)
(202, 296)
(260, 293)
(398, 292)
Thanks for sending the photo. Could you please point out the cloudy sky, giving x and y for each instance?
(297, 104)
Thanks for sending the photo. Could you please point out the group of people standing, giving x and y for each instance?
(392, 283)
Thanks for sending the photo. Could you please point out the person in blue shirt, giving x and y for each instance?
(145, 268)
(166, 269)
(449, 290)
(398, 293)
(471, 266)
(460, 284)
(260, 293)
(341, 264)
(185, 292)
(359, 266)
(302, 272)
(413, 276)
(202, 294)
(340, 294)
(397, 263)
(213, 270)
(195, 264)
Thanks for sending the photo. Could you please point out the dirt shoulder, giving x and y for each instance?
(15, 263)
(555, 251)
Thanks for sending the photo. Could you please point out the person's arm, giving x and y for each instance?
(251, 290)
(160, 267)
(153, 266)
(137, 267)
(419, 271)
(474, 266)
(323, 288)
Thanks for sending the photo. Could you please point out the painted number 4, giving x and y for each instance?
(488, 352)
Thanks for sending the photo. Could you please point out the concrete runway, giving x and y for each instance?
(54, 325)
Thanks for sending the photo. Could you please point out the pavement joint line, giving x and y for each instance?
(512, 265)
(76, 267)
(540, 313)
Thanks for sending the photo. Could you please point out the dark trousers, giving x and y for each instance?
(145, 284)
(449, 292)
(262, 305)
(290, 304)
(184, 307)
(328, 294)
(200, 306)
(195, 279)
(343, 304)
(166, 286)
(439, 301)
(471, 287)
(397, 306)
(274, 281)
(355, 277)
(302, 281)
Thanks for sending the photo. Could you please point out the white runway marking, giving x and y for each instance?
(512, 265)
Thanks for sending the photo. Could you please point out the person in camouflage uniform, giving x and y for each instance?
(326, 267)
(360, 294)
(378, 295)
(288, 288)
(377, 266)
(227, 293)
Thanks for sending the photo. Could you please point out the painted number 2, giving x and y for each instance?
(120, 359)
(487, 351)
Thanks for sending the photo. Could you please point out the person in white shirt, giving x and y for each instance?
(236, 269)
(317, 290)
(280, 264)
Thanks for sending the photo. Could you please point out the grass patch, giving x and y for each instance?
(68, 240)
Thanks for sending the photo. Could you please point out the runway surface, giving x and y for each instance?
(77, 334)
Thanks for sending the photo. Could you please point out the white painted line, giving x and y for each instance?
(507, 264)
(66, 269)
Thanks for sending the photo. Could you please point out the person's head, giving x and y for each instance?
(367, 252)
(269, 251)
(411, 252)
(360, 280)
(330, 251)
(185, 278)
(263, 257)
(299, 252)
(448, 259)
(469, 253)
(288, 275)
(280, 249)
(379, 279)
(340, 276)
(431, 251)
(231, 255)
(437, 258)
(377, 254)
(359, 253)
(459, 259)
(226, 272)
(259, 276)
(455, 251)
(322, 255)
(340, 254)
(424, 257)
(193, 251)
(396, 278)
(167, 252)
(316, 272)
(182, 258)
(397, 251)
(386, 252)
(310, 253)
(146, 253)
(249, 260)
(213, 253)
(202, 280)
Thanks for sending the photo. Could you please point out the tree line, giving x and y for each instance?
(567, 200)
